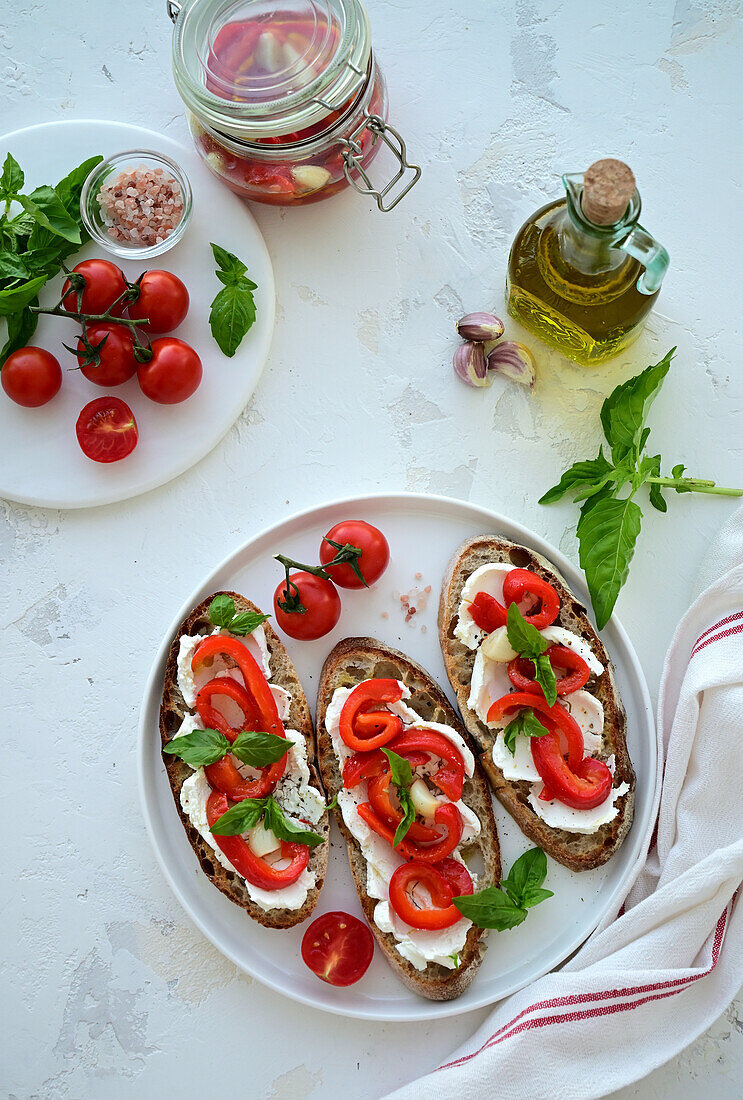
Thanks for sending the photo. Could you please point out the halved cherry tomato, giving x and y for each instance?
(521, 671)
(163, 300)
(31, 377)
(562, 719)
(338, 948)
(365, 765)
(106, 430)
(172, 374)
(374, 558)
(457, 875)
(104, 283)
(322, 606)
(441, 913)
(487, 612)
(364, 726)
(252, 867)
(379, 798)
(117, 363)
(583, 787)
(520, 583)
(447, 815)
(450, 777)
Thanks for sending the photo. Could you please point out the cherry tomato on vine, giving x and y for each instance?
(31, 377)
(117, 363)
(338, 948)
(104, 282)
(374, 558)
(163, 300)
(106, 429)
(172, 374)
(321, 601)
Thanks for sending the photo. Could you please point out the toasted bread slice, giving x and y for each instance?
(172, 711)
(579, 852)
(357, 659)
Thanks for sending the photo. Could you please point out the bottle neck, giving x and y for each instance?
(593, 249)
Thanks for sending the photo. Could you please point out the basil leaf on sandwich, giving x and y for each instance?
(285, 829)
(223, 613)
(525, 724)
(402, 776)
(259, 749)
(200, 748)
(506, 906)
(246, 815)
(529, 643)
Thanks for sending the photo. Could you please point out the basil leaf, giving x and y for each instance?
(589, 475)
(221, 610)
(526, 875)
(70, 187)
(544, 674)
(259, 749)
(16, 298)
(229, 264)
(48, 210)
(199, 748)
(608, 530)
(678, 471)
(285, 829)
(491, 908)
(11, 180)
(333, 802)
(526, 724)
(232, 315)
(21, 327)
(245, 622)
(625, 410)
(400, 769)
(240, 817)
(408, 816)
(533, 895)
(12, 266)
(650, 467)
(524, 637)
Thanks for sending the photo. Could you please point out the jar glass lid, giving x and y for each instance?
(264, 68)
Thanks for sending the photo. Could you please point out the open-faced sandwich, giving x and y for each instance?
(536, 689)
(414, 807)
(239, 750)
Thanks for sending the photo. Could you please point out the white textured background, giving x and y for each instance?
(107, 988)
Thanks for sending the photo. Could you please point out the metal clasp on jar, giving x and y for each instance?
(353, 155)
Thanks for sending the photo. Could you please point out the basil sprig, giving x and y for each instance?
(233, 309)
(529, 643)
(402, 776)
(204, 747)
(246, 815)
(222, 612)
(506, 906)
(525, 724)
(610, 517)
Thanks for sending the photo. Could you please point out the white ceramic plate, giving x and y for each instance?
(423, 533)
(42, 462)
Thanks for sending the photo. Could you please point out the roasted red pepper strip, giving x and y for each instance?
(562, 718)
(441, 913)
(447, 815)
(365, 765)
(487, 613)
(521, 671)
(255, 682)
(252, 867)
(583, 788)
(449, 778)
(213, 719)
(522, 582)
(379, 797)
(363, 726)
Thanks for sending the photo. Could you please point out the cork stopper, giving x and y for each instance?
(608, 186)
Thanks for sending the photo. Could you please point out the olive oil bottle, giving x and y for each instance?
(583, 274)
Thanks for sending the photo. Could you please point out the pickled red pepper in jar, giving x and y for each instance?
(286, 103)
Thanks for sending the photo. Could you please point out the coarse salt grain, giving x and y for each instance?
(141, 206)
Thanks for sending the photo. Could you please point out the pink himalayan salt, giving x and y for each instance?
(141, 206)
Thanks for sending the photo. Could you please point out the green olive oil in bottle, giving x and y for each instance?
(583, 274)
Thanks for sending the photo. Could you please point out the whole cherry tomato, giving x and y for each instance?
(106, 430)
(163, 300)
(172, 374)
(117, 363)
(320, 600)
(31, 377)
(338, 948)
(104, 282)
(374, 558)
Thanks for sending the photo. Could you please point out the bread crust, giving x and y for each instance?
(172, 710)
(577, 851)
(356, 659)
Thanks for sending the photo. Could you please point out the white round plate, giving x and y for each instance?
(42, 461)
(423, 532)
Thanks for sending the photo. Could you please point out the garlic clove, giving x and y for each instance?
(310, 177)
(268, 53)
(470, 364)
(480, 326)
(513, 360)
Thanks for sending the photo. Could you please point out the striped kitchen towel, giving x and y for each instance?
(649, 982)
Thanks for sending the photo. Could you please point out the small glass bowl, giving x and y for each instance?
(92, 215)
